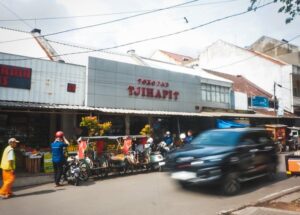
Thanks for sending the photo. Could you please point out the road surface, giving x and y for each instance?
(139, 194)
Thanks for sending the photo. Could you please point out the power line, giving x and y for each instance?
(19, 18)
(256, 55)
(105, 23)
(109, 14)
(157, 37)
(174, 33)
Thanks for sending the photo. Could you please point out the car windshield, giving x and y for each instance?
(217, 138)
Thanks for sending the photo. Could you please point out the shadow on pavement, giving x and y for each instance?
(41, 192)
(246, 187)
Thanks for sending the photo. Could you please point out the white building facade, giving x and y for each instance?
(260, 69)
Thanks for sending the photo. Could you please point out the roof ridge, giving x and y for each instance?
(12, 29)
(240, 76)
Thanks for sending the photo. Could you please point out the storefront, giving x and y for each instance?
(29, 89)
(162, 94)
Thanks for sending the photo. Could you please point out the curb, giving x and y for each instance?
(267, 198)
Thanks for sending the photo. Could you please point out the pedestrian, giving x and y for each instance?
(58, 158)
(8, 166)
(189, 137)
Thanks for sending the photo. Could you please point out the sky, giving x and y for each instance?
(242, 30)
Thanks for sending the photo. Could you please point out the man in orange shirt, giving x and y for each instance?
(8, 166)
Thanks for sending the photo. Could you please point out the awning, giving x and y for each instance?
(230, 124)
(28, 106)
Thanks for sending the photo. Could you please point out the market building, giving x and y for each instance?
(43, 91)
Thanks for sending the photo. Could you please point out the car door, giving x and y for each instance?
(247, 153)
(266, 150)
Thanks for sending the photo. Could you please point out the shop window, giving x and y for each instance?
(218, 97)
(203, 94)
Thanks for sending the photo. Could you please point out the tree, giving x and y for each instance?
(290, 7)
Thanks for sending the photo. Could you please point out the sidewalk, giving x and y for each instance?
(29, 179)
(286, 202)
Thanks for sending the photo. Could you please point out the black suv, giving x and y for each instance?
(226, 157)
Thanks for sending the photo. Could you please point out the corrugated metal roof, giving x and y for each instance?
(40, 106)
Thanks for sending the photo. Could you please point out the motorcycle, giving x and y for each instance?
(164, 148)
(71, 172)
(156, 158)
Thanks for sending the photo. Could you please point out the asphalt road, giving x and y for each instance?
(139, 194)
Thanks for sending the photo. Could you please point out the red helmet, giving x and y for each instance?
(59, 134)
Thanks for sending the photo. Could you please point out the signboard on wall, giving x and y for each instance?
(15, 77)
(153, 89)
(260, 101)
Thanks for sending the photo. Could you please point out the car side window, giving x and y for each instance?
(263, 138)
(247, 140)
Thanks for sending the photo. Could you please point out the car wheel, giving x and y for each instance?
(231, 184)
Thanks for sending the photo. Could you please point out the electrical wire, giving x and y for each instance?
(104, 23)
(161, 36)
(109, 14)
(19, 18)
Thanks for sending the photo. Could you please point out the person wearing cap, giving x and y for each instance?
(58, 158)
(8, 166)
(168, 139)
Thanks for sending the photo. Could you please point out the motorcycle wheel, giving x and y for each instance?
(84, 171)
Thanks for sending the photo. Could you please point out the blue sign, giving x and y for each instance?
(259, 101)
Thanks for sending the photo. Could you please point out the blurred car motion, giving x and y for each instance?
(226, 157)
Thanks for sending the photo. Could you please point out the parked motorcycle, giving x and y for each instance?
(164, 148)
(71, 172)
(156, 158)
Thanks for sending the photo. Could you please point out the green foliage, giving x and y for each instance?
(94, 127)
(289, 7)
(146, 130)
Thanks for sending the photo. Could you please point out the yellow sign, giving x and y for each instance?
(48, 166)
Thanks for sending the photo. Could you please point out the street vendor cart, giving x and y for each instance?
(292, 163)
(278, 134)
(107, 154)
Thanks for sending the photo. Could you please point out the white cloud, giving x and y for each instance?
(242, 30)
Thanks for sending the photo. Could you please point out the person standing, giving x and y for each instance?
(8, 166)
(58, 158)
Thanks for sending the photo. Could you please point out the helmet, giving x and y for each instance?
(150, 140)
(59, 134)
(182, 136)
(168, 133)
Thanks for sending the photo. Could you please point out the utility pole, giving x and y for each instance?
(274, 88)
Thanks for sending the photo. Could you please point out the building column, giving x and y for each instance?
(127, 124)
(68, 125)
(53, 126)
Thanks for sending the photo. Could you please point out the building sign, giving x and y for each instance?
(15, 77)
(259, 101)
(71, 88)
(153, 89)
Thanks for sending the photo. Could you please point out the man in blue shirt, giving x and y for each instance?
(168, 139)
(58, 159)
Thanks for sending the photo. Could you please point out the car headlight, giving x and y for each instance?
(184, 159)
(208, 159)
(214, 158)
